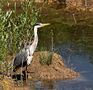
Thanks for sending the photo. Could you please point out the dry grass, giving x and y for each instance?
(7, 83)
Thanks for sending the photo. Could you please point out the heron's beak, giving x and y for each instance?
(45, 24)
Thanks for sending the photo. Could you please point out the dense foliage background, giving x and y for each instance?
(16, 25)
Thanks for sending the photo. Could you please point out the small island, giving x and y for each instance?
(56, 70)
(42, 71)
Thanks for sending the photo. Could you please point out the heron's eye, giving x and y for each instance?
(37, 24)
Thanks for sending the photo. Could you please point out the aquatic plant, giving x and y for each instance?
(45, 58)
(16, 25)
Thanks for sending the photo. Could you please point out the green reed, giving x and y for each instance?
(16, 24)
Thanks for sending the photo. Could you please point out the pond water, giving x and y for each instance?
(78, 62)
(74, 56)
(71, 42)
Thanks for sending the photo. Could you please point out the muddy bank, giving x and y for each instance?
(54, 71)
(37, 71)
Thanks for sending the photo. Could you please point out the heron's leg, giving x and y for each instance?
(26, 74)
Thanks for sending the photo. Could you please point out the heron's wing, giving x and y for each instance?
(20, 59)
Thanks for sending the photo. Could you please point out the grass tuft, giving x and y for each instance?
(46, 58)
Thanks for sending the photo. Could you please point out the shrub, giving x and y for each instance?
(45, 58)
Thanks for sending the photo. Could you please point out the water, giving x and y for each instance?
(71, 43)
(79, 62)
(73, 56)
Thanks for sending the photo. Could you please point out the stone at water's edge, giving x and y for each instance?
(56, 70)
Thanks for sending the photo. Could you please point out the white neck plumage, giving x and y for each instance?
(32, 47)
(35, 32)
(35, 42)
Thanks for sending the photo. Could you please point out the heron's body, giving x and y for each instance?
(24, 57)
(20, 60)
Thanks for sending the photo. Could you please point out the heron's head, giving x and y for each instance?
(39, 25)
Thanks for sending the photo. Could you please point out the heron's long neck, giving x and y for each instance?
(32, 47)
(35, 33)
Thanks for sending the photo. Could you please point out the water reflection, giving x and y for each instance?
(81, 64)
(72, 43)
(43, 85)
(76, 60)
(49, 84)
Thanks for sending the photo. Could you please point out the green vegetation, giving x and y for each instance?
(46, 58)
(16, 25)
(69, 26)
(17, 21)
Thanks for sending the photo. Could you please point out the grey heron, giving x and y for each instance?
(24, 57)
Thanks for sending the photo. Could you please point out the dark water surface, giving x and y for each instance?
(79, 62)
(74, 55)
(71, 42)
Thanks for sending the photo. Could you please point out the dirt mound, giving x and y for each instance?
(37, 71)
(54, 71)
(6, 83)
